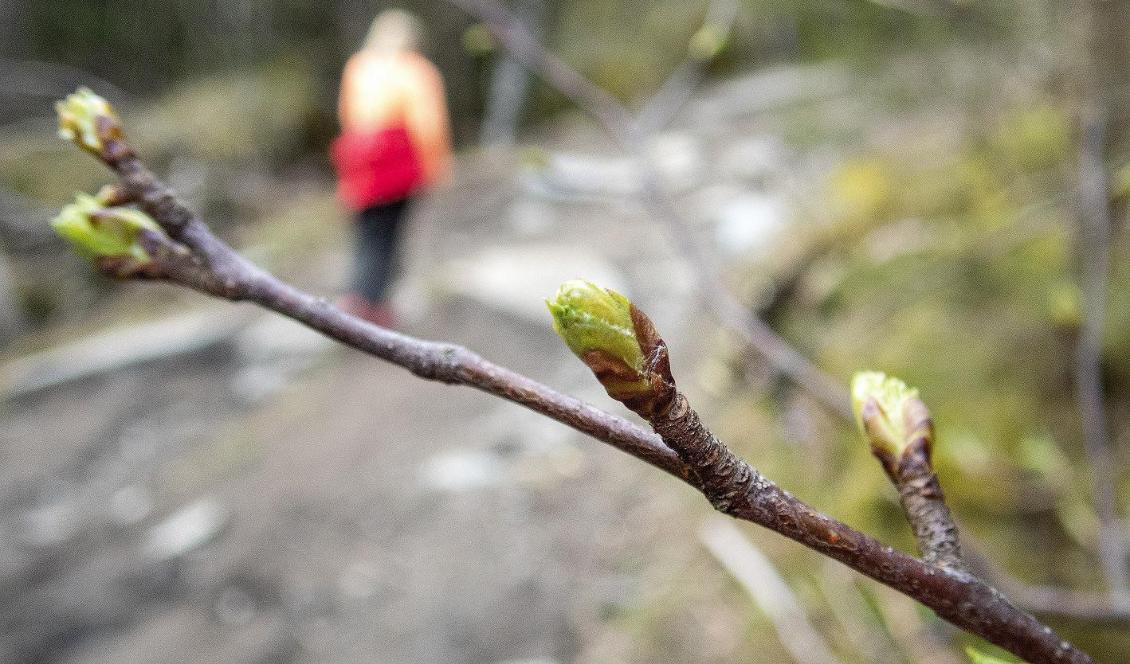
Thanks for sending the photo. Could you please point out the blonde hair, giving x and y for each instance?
(395, 30)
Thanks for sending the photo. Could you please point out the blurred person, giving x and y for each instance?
(395, 142)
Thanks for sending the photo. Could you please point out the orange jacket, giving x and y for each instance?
(389, 90)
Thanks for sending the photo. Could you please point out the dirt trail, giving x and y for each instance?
(354, 514)
(265, 497)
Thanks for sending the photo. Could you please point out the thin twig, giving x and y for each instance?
(735, 488)
(1095, 607)
(664, 106)
(525, 48)
(900, 431)
(192, 256)
(858, 619)
(639, 375)
(756, 573)
(52, 79)
(1094, 254)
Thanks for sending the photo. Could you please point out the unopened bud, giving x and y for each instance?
(97, 231)
(84, 117)
(617, 342)
(890, 415)
(478, 41)
(591, 318)
(707, 43)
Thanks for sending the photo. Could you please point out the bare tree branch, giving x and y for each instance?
(192, 256)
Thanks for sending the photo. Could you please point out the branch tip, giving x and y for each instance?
(890, 416)
(590, 318)
(707, 43)
(617, 341)
(98, 229)
(87, 120)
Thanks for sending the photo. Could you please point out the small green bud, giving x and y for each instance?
(889, 414)
(707, 43)
(97, 231)
(590, 318)
(79, 117)
(618, 342)
(1064, 305)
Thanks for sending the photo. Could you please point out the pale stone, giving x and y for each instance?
(518, 280)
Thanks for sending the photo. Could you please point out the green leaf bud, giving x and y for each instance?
(590, 318)
(79, 118)
(618, 342)
(478, 41)
(97, 231)
(889, 414)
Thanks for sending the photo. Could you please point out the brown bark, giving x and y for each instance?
(737, 489)
(925, 506)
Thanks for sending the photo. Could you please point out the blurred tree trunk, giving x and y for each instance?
(1104, 120)
(510, 82)
(12, 322)
(1110, 69)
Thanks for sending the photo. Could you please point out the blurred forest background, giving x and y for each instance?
(899, 185)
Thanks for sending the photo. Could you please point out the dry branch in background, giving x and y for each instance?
(614, 338)
(1099, 129)
(755, 572)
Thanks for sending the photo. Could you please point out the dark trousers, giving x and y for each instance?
(378, 229)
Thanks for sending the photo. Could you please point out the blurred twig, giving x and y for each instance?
(1095, 228)
(51, 80)
(1094, 252)
(664, 106)
(630, 134)
(756, 573)
(1098, 607)
(858, 619)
